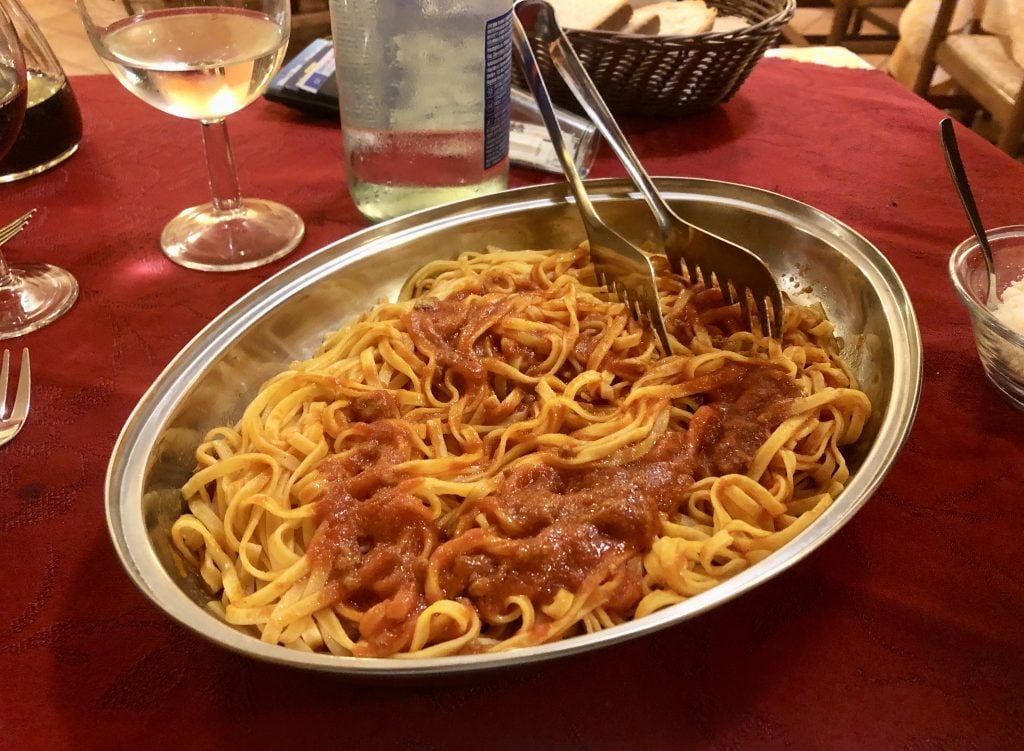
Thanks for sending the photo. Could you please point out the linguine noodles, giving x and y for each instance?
(506, 459)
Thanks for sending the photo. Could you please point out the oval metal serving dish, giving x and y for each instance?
(817, 259)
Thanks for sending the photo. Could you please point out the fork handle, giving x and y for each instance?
(571, 69)
(526, 16)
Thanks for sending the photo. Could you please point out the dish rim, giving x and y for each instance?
(148, 419)
(971, 246)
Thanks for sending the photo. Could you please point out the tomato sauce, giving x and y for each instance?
(548, 528)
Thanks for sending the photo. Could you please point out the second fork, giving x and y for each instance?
(618, 263)
(12, 423)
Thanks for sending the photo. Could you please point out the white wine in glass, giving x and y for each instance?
(204, 62)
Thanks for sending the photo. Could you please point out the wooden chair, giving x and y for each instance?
(848, 26)
(983, 72)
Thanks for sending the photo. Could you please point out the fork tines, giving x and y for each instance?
(764, 311)
(628, 274)
(10, 230)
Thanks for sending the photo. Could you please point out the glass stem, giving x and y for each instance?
(6, 277)
(221, 166)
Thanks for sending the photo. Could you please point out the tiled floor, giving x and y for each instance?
(63, 29)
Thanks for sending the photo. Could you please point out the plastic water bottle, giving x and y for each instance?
(424, 93)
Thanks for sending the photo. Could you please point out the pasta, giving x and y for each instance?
(506, 459)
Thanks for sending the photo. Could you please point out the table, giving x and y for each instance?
(903, 631)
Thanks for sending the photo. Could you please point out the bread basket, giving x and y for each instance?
(658, 76)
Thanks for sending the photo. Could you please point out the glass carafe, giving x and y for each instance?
(53, 124)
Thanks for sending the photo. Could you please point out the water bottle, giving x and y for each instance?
(424, 94)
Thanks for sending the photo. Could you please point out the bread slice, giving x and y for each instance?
(647, 23)
(730, 23)
(592, 15)
(682, 18)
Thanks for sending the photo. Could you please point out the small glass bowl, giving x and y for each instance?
(1000, 348)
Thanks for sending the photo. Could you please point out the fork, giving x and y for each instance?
(10, 230)
(740, 275)
(619, 264)
(12, 423)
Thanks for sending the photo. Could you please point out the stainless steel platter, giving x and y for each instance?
(817, 259)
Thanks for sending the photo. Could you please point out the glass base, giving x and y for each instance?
(255, 233)
(34, 295)
(66, 154)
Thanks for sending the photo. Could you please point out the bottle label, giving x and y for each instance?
(497, 87)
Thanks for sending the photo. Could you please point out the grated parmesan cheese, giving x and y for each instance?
(1011, 310)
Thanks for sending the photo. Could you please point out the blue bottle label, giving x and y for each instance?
(497, 87)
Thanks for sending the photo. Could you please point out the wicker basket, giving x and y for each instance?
(670, 75)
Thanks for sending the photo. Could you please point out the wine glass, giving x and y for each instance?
(32, 294)
(204, 60)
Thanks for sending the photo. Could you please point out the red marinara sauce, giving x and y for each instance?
(551, 528)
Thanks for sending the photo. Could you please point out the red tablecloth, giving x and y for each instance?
(903, 631)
